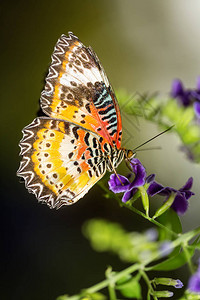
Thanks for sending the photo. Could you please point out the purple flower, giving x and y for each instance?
(196, 93)
(180, 93)
(198, 83)
(180, 203)
(194, 282)
(119, 183)
(187, 97)
(197, 109)
(150, 178)
(178, 284)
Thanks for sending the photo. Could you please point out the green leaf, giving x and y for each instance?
(124, 279)
(174, 262)
(130, 289)
(171, 220)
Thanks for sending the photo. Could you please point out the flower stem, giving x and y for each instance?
(137, 267)
(148, 282)
(111, 285)
(112, 294)
(187, 255)
(105, 283)
(149, 219)
(132, 208)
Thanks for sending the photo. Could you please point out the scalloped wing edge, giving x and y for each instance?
(52, 200)
(56, 63)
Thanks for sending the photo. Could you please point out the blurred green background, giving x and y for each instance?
(143, 46)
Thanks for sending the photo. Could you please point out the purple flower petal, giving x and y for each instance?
(185, 99)
(128, 195)
(180, 204)
(198, 84)
(197, 109)
(140, 173)
(116, 186)
(178, 284)
(184, 96)
(150, 178)
(156, 188)
(195, 95)
(187, 185)
(188, 194)
(119, 183)
(194, 283)
(134, 163)
(185, 190)
(177, 88)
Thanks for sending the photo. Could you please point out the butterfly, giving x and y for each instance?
(70, 149)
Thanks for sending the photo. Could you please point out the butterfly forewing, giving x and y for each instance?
(66, 153)
(77, 90)
(61, 161)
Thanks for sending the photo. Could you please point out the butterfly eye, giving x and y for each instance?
(130, 154)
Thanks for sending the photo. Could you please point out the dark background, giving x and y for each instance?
(142, 45)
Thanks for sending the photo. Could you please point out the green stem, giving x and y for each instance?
(148, 295)
(105, 283)
(111, 285)
(112, 294)
(187, 255)
(115, 278)
(130, 207)
(148, 282)
(184, 238)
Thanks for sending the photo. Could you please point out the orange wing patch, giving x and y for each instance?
(77, 90)
(59, 165)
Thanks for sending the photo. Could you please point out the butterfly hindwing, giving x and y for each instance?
(61, 161)
(77, 90)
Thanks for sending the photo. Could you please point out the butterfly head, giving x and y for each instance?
(129, 154)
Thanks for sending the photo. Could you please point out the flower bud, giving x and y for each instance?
(169, 281)
(165, 206)
(164, 294)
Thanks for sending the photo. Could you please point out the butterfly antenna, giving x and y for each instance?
(154, 137)
(151, 148)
